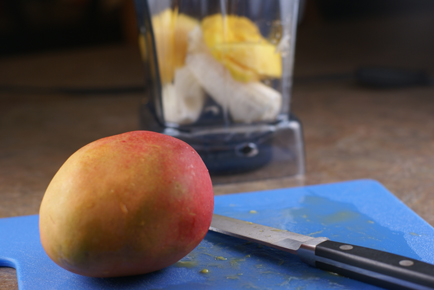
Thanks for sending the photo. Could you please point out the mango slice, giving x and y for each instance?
(237, 43)
(230, 29)
(171, 39)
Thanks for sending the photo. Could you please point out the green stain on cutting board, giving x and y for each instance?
(318, 216)
(330, 213)
(330, 217)
(186, 264)
(315, 216)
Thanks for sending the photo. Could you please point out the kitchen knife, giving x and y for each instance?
(364, 264)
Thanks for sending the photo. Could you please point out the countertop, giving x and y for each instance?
(350, 131)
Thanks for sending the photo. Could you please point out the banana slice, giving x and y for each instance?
(184, 99)
(255, 102)
(246, 102)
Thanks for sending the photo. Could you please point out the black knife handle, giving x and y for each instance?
(373, 266)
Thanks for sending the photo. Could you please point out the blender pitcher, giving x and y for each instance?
(219, 77)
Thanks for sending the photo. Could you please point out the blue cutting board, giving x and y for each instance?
(361, 212)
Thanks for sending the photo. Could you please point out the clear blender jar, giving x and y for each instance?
(219, 76)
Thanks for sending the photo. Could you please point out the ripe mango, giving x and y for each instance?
(125, 205)
(237, 43)
(171, 39)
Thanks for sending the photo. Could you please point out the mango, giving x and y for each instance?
(237, 43)
(124, 205)
(229, 29)
(171, 40)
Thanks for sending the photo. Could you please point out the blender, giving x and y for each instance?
(219, 77)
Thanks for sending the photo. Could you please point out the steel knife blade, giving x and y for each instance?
(368, 265)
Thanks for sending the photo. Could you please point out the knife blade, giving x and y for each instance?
(368, 265)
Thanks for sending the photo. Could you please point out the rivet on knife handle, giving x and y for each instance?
(373, 266)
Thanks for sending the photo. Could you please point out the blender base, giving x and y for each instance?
(246, 152)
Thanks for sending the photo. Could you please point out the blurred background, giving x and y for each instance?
(71, 72)
(359, 33)
(28, 26)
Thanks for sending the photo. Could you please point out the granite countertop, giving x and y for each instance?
(350, 132)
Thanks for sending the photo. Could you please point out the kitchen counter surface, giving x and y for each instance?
(350, 131)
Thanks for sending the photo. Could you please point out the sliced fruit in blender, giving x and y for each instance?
(171, 39)
(237, 43)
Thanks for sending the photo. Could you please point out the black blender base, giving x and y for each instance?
(244, 157)
(242, 153)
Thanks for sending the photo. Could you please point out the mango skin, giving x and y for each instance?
(125, 205)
